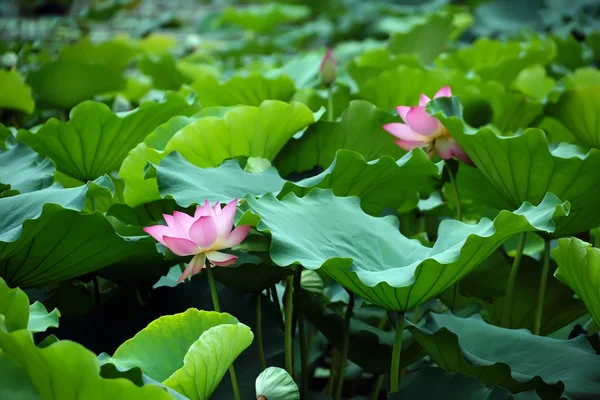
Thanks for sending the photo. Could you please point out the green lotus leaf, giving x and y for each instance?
(577, 110)
(16, 94)
(251, 277)
(264, 17)
(40, 319)
(276, 384)
(317, 99)
(570, 53)
(447, 386)
(348, 175)
(138, 190)
(372, 63)
(514, 359)
(386, 268)
(45, 239)
(579, 267)
(14, 307)
(304, 69)
(207, 360)
(188, 184)
(160, 348)
(95, 140)
(564, 171)
(115, 53)
(499, 61)
(66, 370)
(370, 347)
(16, 384)
(319, 144)
(24, 171)
(163, 70)
(249, 90)
(66, 83)
(487, 285)
(427, 39)
(351, 175)
(404, 85)
(6, 135)
(243, 131)
(534, 82)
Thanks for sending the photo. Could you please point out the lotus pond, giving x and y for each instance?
(332, 199)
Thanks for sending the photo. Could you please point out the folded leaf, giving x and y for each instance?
(370, 257)
(24, 170)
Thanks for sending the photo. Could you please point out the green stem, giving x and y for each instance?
(217, 307)
(213, 288)
(377, 387)
(301, 333)
(330, 114)
(542, 289)
(459, 218)
(259, 338)
(396, 352)
(332, 371)
(289, 297)
(509, 293)
(96, 290)
(344, 350)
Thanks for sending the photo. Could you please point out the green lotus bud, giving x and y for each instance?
(328, 69)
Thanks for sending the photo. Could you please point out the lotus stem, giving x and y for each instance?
(458, 217)
(96, 290)
(301, 333)
(330, 114)
(344, 351)
(509, 293)
(396, 352)
(217, 307)
(289, 297)
(377, 387)
(542, 290)
(275, 300)
(259, 338)
(332, 371)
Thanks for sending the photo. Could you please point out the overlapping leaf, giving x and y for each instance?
(370, 257)
(23, 170)
(249, 90)
(523, 168)
(95, 140)
(579, 267)
(514, 359)
(16, 94)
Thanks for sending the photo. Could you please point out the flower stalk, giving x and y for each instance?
(396, 353)
(539, 310)
(509, 293)
(344, 350)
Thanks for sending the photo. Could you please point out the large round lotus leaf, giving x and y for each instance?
(319, 144)
(16, 94)
(95, 140)
(160, 348)
(404, 85)
(447, 386)
(249, 90)
(23, 170)
(412, 176)
(214, 136)
(262, 18)
(523, 168)
(45, 239)
(578, 109)
(16, 384)
(66, 83)
(496, 60)
(208, 359)
(370, 257)
(579, 267)
(68, 371)
(427, 39)
(514, 359)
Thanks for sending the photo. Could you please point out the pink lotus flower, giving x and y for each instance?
(328, 69)
(202, 235)
(423, 130)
